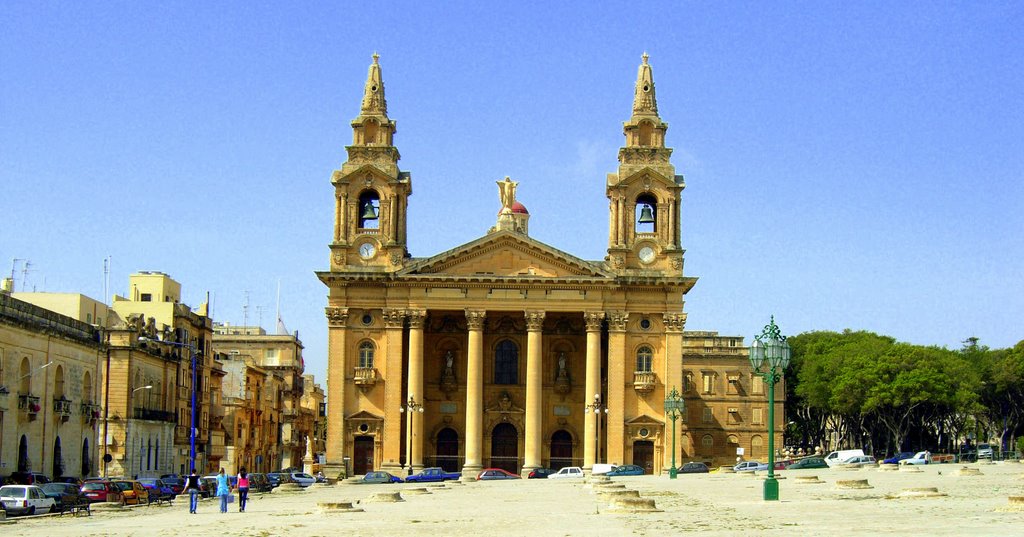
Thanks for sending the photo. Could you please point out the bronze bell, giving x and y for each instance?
(646, 216)
(369, 211)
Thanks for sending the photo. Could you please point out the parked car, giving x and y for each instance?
(176, 484)
(158, 490)
(68, 479)
(895, 459)
(27, 478)
(985, 451)
(258, 482)
(303, 479)
(626, 469)
(694, 468)
(927, 457)
(101, 490)
(132, 492)
(372, 478)
(601, 468)
(275, 479)
(491, 474)
(569, 472)
(540, 473)
(207, 486)
(837, 457)
(63, 494)
(432, 475)
(25, 500)
(750, 466)
(860, 460)
(809, 462)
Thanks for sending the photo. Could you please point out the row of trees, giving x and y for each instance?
(860, 389)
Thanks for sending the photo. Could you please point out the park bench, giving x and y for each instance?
(77, 507)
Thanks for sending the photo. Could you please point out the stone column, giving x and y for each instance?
(618, 366)
(337, 366)
(415, 387)
(592, 385)
(673, 371)
(394, 320)
(474, 394)
(534, 386)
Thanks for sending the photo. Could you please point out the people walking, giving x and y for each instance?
(223, 490)
(192, 486)
(243, 490)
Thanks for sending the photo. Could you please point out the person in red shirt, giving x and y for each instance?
(243, 490)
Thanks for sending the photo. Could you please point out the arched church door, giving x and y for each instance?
(505, 448)
(448, 450)
(561, 449)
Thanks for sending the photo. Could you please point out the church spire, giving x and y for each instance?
(373, 93)
(644, 101)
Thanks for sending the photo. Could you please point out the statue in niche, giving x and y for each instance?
(562, 383)
(448, 382)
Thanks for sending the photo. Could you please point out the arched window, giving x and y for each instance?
(644, 356)
(756, 449)
(366, 354)
(58, 383)
(87, 388)
(369, 210)
(506, 363)
(646, 212)
(708, 443)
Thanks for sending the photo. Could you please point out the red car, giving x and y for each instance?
(101, 491)
(495, 473)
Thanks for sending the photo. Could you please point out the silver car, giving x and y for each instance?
(25, 500)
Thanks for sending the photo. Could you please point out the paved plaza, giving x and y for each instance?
(704, 504)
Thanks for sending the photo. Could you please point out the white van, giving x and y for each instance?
(601, 468)
(837, 457)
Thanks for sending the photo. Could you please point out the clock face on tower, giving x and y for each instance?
(367, 250)
(646, 254)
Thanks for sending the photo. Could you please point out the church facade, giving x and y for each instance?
(505, 351)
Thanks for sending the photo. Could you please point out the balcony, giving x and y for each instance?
(62, 408)
(154, 415)
(90, 412)
(29, 404)
(644, 381)
(365, 378)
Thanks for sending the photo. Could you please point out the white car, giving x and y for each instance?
(862, 460)
(569, 472)
(25, 500)
(302, 479)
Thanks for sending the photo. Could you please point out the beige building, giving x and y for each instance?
(49, 391)
(74, 305)
(287, 426)
(505, 351)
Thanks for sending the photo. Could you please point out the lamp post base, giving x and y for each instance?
(771, 490)
(672, 473)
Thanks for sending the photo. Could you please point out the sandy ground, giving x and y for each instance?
(706, 504)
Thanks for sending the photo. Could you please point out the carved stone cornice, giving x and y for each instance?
(336, 317)
(416, 318)
(475, 319)
(594, 319)
(394, 318)
(534, 320)
(674, 322)
(617, 321)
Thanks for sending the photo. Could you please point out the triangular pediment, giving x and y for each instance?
(644, 419)
(648, 175)
(507, 254)
(363, 415)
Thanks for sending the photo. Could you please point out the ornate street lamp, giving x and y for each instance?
(411, 407)
(674, 408)
(769, 356)
(599, 409)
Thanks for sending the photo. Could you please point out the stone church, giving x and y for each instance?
(507, 352)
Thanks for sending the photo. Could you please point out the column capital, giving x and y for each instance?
(416, 318)
(475, 319)
(617, 321)
(674, 322)
(593, 320)
(534, 320)
(336, 317)
(393, 318)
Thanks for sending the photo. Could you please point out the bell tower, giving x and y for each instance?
(643, 195)
(371, 195)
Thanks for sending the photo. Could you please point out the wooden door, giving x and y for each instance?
(362, 462)
(643, 455)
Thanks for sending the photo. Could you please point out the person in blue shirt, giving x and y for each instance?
(223, 490)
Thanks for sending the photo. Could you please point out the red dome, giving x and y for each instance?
(517, 208)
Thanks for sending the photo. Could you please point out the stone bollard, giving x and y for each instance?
(416, 490)
(609, 495)
(384, 497)
(808, 480)
(965, 471)
(288, 488)
(853, 484)
(726, 470)
(921, 492)
(1016, 504)
(338, 507)
(910, 469)
(632, 505)
(888, 468)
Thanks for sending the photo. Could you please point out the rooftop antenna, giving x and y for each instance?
(24, 274)
(245, 310)
(259, 315)
(106, 279)
(14, 266)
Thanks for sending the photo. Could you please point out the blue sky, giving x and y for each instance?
(848, 165)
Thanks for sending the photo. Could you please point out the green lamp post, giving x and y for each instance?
(674, 407)
(769, 356)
